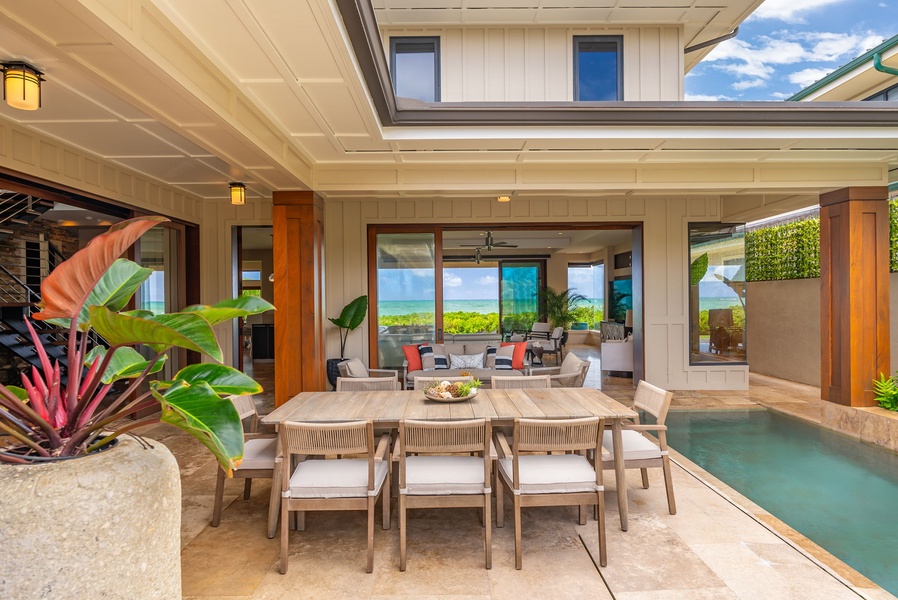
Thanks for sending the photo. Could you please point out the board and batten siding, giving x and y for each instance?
(535, 64)
(665, 301)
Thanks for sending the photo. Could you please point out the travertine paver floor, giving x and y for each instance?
(710, 549)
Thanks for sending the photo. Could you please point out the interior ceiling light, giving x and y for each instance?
(504, 199)
(21, 85)
(238, 193)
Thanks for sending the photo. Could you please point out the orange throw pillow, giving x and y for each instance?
(517, 359)
(413, 357)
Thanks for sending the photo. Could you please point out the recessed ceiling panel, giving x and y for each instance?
(108, 139)
(337, 106)
(295, 32)
(175, 170)
(281, 103)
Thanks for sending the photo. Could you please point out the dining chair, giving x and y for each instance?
(422, 383)
(432, 479)
(568, 479)
(570, 373)
(317, 484)
(259, 452)
(366, 384)
(526, 382)
(639, 451)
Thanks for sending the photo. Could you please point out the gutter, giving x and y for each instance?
(713, 42)
(857, 62)
(877, 64)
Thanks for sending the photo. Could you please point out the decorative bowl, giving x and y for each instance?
(453, 399)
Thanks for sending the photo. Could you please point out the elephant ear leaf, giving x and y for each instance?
(698, 268)
(66, 289)
(222, 379)
(114, 289)
(352, 314)
(231, 309)
(126, 363)
(202, 413)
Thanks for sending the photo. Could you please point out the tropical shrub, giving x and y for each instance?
(46, 420)
(886, 392)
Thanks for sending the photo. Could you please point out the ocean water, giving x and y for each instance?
(407, 307)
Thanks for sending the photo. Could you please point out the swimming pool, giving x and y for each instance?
(838, 492)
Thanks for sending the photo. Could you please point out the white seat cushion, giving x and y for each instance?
(636, 445)
(443, 475)
(259, 454)
(338, 478)
(551, 474)
(356, 368)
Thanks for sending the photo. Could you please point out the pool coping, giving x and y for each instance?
(835, 567)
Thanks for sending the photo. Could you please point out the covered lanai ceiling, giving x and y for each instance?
(198, 93)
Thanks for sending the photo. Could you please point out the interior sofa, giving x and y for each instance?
(467, 348)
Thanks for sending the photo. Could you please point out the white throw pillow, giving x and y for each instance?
(466, 361)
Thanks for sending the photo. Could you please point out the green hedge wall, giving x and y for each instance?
(792, 250)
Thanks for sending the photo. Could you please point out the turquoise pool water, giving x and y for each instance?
(840, 493)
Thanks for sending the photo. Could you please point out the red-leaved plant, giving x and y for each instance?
(45, 420)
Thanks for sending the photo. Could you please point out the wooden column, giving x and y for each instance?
(298, 228)
(854, 287)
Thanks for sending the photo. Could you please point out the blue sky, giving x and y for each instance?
(786, 45)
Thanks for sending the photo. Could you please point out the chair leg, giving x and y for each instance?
(581, 513)
(668, 484)
(219, 495)
(488, 532)
(385, 520)
(645, 478)
(370, 564)
(285, 535)
(517, 533)
(274, 501)
(402, 527)
(247, 488)
(600, 509)
(500, 502)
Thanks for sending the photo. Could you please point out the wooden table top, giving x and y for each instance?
(501, 406)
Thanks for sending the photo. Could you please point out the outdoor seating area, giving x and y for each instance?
(710, 548)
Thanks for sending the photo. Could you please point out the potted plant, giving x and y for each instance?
(560, 306)
(112, 516)
(350, 318)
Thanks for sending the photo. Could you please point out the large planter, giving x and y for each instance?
(105, 525)
(333, 371)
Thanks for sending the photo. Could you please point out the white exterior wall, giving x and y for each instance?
(515, 64)
(666, 264)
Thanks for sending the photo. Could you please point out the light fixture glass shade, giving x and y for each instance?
(21, 86)
(504, 199)
(628, 319)
(238, 193)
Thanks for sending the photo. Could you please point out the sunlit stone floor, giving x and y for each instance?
(711, 549)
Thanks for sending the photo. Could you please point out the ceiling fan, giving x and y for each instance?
(489, 244)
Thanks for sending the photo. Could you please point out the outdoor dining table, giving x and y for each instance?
(386, 409)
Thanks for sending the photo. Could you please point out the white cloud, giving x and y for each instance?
(488, 280)
(705, 98)
(780, 95)
(790, 10)
(451, 280)
(806, 77)
(747, 84)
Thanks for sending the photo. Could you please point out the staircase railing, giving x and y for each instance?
(13, 204)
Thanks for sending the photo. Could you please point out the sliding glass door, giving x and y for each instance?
(407, 288)
(519, 284)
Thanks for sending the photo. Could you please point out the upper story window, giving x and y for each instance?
(415, 67)
(888, 95)
(598, 68)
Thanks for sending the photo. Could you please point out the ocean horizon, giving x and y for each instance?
(487, 306)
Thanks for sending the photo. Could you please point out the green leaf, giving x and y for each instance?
(140, 313)
(18, 392)
(222, 379)
(126, 363)
(352, 314)
(698, 268)
(231, 309)
(66, 289)
(113, 290)
(214, 421)
(184, 330)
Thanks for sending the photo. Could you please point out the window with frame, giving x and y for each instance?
(415, 67)
(887, 95)
(598, 68)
